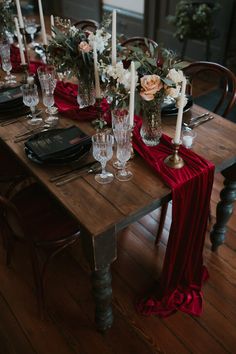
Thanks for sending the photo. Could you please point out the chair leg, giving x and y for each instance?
(161, 222)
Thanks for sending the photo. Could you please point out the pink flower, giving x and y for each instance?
(85, 47)
(151, 84)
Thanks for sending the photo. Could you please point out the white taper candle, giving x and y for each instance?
(42, 23)
(19, 14)
(132, 95)
(113, 39)
(96, 73)
(180, 113)
(22, 56)
(52, 25)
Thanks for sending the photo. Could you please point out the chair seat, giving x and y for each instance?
(46, 221)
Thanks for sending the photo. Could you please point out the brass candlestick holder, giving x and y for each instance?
(99, 123)
(23, 33)
(25, 71)
(45, 50)
(174, 160)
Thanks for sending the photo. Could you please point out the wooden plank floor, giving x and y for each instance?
(69, 325)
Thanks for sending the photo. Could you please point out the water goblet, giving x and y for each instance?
(102, 152)
(5, 53)
(31, 29)
(31, 99)
(123, 152)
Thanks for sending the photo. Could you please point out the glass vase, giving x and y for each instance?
(86, 93)
(151, 122)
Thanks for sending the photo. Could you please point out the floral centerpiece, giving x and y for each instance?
(7, 8)
(158, 78)
(71, 51)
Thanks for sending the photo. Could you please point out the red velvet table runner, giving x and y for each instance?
(180, 283)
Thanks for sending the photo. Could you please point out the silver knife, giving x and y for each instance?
(79, 168)
(93, 168)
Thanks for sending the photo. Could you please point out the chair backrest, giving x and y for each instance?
(139, 42)
(88, 24)
(214, 81)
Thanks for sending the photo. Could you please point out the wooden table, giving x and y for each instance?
(103, 210)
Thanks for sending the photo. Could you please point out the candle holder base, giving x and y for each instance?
(25, 68)
(23, 33)
(174, 160)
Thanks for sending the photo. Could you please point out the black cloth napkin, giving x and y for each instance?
(58, 143)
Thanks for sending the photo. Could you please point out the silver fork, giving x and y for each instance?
(198, 122)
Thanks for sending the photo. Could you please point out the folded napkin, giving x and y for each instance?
(57, 143)
(180, 283)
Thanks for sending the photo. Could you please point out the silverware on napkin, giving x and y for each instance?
(92, 169)
(194, 119)
(27, 134)
(16, 119)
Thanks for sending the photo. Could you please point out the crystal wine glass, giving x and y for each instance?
(102, 152)
(31, 29)
(5, 53)
(31, 99)
(48, 81)
(119, 120)
(123, 152)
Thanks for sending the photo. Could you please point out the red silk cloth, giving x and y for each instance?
(180, 283)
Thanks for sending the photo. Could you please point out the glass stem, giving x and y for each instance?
(103, 167)
(32, 108)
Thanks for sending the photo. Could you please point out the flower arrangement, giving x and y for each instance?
(7, 8)
(71, 50)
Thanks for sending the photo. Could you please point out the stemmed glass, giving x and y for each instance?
(48, 81)
(123, 152)
(5, 53)
(31, 29)
(119, 120)
(31, 99)
(102, 152)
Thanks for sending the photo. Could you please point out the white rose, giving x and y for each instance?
(176, 76)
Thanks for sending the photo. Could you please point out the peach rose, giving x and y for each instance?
(85, 47)
(150, 84)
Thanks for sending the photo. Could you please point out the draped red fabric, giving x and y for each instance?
(16, 61)
(179, 286)
(66, 101)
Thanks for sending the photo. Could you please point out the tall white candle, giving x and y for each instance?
(96, 73)
(52, 25)
(132, 95)
(19, 14)
(22, 56)
(180, 113)
(113, 39)
(42, 23)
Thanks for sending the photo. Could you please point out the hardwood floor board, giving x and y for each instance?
(43, 335)
(120, 339)
(12, 338)
(213, 322)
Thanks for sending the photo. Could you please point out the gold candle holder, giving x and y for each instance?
(45, 49)
(25, 68)
(23, 33)
(174, 160)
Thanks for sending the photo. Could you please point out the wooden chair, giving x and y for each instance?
(220, 81)
(142, 42)
(88, 24)
(216, 77)
(32, 216)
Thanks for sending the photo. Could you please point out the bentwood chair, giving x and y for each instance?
(31, 216)
(141, 42)
(219, 97)
(87, 24)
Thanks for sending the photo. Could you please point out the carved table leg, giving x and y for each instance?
(101, 251)
(102, 292)
(224, 208)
